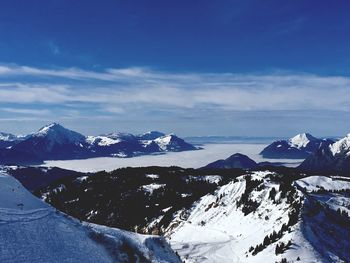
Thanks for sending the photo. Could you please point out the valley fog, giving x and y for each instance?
(188, 159)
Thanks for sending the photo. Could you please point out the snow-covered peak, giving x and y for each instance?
(151, 135)
(301, 140)
(120, 136)
(56, 132)
(164, 141)
(7, 137)
(47, 128)
(165, 138)
(342, 146)
(101, 140)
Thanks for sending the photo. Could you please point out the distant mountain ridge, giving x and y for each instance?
(239, 161)
(236, 160)
(332, 158)
(298, 147)
(8, 139)
(55, 142)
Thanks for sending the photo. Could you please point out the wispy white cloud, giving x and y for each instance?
(130, 89)
(26, 111)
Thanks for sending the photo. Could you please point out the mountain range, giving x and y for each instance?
(298, 147)
(323, 156)
(55, 142)
(333, 158)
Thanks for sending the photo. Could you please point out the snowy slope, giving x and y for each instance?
(215, 229)
(314, 183)
(328, 191)
(32, 231)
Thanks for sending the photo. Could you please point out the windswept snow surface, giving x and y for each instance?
(187, 159)
(216, 230)
(32, 231)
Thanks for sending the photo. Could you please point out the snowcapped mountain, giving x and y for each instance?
(7, 136)
(263, 218)
(151, 135)
(341, 147)
(33, 231)
(56, 133)
(8, 139)
(114, 144)
(330, 158)
(54, 142)
(122, 136)
(302, 140)
(236, 160)
(126, 144)
(297, 147)
(173, 143)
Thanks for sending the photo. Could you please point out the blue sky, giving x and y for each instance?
(270, 68)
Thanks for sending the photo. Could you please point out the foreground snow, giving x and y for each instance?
(32, 231)
(188, 159)
(216, 230)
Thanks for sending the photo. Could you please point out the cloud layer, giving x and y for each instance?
(135, 93)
